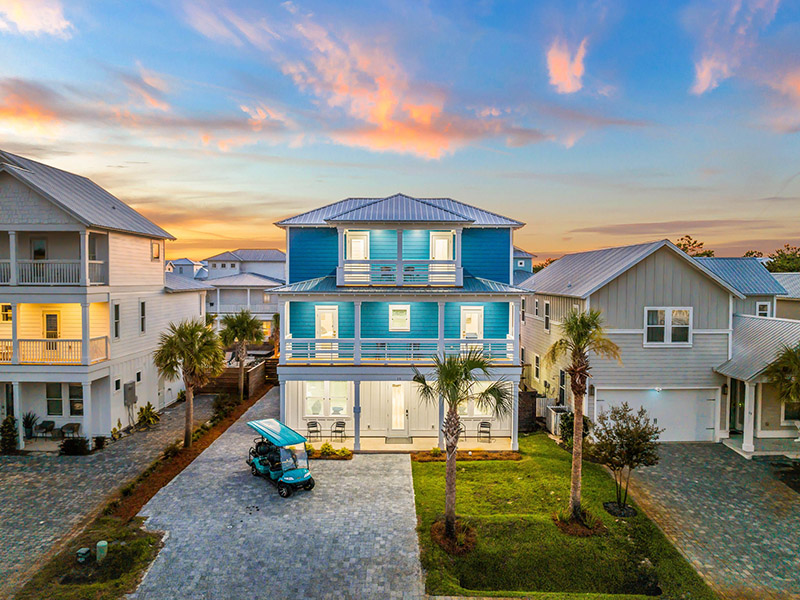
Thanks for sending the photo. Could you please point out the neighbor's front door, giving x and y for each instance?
(471, 326)
(398, 412)
(326, 326)
(736, 422)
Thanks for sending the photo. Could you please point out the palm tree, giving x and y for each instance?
(784, 374)
(239, 330)
(455, 382)
(192, 351)
(275, 334)
(582, 333)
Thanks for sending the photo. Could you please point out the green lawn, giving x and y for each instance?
(520, 550)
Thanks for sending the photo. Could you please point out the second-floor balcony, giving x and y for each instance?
(400, 272)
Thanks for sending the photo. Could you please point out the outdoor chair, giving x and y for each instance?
(462, 431)
(485, 430)
(337, 430)
(314, 430)
(44, 429)
(70, 430)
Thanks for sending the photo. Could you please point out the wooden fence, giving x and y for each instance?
(228, 382)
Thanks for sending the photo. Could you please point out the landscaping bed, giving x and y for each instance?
(131, 548)
(465, 455)
(520, 550)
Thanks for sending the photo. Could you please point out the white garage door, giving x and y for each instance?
(685, 415)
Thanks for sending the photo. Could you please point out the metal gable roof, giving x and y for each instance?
(580, 275)
(520, 253)
(179, 283)
(399, 208)
(80, 197)
(184, 261)
(477, 217)
(327, 285)
(520, 276)
(756, 343)
(790, 282)
(746, 274)
(251, 255)
(245, 280)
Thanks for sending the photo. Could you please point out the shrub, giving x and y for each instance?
(344, 453)
(309, 449)
(173, 449)
(567, 426)
(223, 405)
(8, 435)
(116, 432)
(181, 396)
(100, 442)
(78, 446)
(326, 449)
(436, 451)
(147, 416)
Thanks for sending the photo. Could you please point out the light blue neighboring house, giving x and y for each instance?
(523, 265)
(378, 285)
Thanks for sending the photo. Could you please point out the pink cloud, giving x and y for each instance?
(566, 71)
(34, 17)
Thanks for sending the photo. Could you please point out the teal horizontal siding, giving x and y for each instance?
(424, 320)
(313, 252)
(486, 253)
(495, 319)
(302, 318)
(383, 244)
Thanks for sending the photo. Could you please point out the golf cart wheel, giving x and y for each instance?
(284, 490)
(309, 485)
(253, 470)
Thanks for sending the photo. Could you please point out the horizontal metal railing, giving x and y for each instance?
(235, 308)
(320, 350)
(399, 272)
(392, 350)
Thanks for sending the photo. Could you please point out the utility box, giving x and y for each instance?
(129, 393)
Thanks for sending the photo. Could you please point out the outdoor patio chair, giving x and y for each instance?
(314, 430)
(44, 429)
(462, 431)
(485, 430)
(70, 430)
(337, 430)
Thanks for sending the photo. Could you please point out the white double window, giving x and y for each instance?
(668, 326)
(399, 317)
(327, 398)
(473, 408)
(763, 309)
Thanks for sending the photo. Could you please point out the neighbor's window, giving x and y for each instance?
(39, 249)
(267, 327)
(117, 385)
(547, 316)
(233, 265)
(116, 321)
(522, 310)
(668, 325)
(142, 316)
(520, 263)
(763, 309)
(138, 376)
(213, 265)
(92, 247)
(54, 404)
(75, 400)
(337, 391)
(315, 398)
(562, 387)
(155, 250)
(5, 313)
(537, 367)
(399, 317)
(791, 412)
(536, 307)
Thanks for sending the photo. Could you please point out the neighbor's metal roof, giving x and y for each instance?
(520, 253)
(521, 276)
(179, 283)
(756, 343)
(580, 275)
(746, 274)
(790, 282)
(245, 280)
(184, 261)
(400, 208)
(80, 197)
(327, 285)
(252, 255)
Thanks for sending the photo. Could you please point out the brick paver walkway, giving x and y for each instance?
(42, 497)
(731, 518)
(232, 536)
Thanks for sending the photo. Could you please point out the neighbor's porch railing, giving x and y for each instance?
(58, 272)
(236, 308)
(5, 271)
(54, 351)
(399, 272)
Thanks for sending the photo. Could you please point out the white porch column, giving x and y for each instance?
(441, 422)
(14, 334)
(340, 268)
(515, 315)
(84, 257)
(15, 391)
(400, 274)
(440, 347)
(283, 401)
(283, 330)
(749, 416)
(85, 334)
(88, 423)
(357, 415)
(248, 298)
(357, 333)
(12, 256)
(218, 310)
(515, 416)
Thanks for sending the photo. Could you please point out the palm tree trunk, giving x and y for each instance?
(240, 354)
(451, 428)
(577, 459)
(189, 425)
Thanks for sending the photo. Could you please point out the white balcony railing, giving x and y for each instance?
(236, 308)
(5, 271)
(392, 350)
(97, 272)
(53, 272)
(399, 272)
(320, 350)
(54, 351)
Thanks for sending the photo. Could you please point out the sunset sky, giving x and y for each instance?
(596, 123)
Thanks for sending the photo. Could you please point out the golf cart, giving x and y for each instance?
(279, 456)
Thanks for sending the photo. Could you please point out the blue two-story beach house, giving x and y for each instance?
(376, 285)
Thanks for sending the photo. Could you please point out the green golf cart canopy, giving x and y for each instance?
(276, 432)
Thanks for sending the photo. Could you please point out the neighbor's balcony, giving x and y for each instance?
(237, 308)
(54, 351)
(400, 272)
(53, 272)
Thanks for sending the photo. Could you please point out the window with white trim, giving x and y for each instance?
(116, 320)
(537, 367)
(763, 309)
(117, 385)
(142, 316)
(399, 317)
(668, 325)
(562, 387)
(55, 403)
(75, 400)
(536, 307)
(547, 316)
(790, 413)
(327, 398)
(5, 313)
(522, 310)
(520, 263)
(155, 250)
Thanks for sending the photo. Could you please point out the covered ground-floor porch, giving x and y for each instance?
(788, 447)
(381, 410)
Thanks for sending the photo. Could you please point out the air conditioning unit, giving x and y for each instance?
(129, 393)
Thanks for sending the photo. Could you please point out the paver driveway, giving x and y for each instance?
(729, 516)
(231, 536)
(42, 497)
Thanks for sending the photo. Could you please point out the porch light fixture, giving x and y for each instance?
(724, 389)
(658, 390)
(591, 390)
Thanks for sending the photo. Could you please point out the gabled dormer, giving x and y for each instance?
(399, 241)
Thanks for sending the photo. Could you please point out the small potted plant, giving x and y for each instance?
(29, 421)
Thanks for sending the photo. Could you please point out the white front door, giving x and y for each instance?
(441, 249)
(326, 326)
(398, 411)
(471, 327)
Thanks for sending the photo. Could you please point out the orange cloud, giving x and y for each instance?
(34, 17)
(566, 70)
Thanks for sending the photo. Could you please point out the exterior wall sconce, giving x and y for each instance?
(724, 389)
(658, 390)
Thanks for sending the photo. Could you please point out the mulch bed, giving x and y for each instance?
(128, 506)
(615, 509)
(581, 529)
(462, 455)
(317, 455)
(465, 542)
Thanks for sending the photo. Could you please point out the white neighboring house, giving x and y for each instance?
(269, 262)
(185, 267)
(77, 328)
